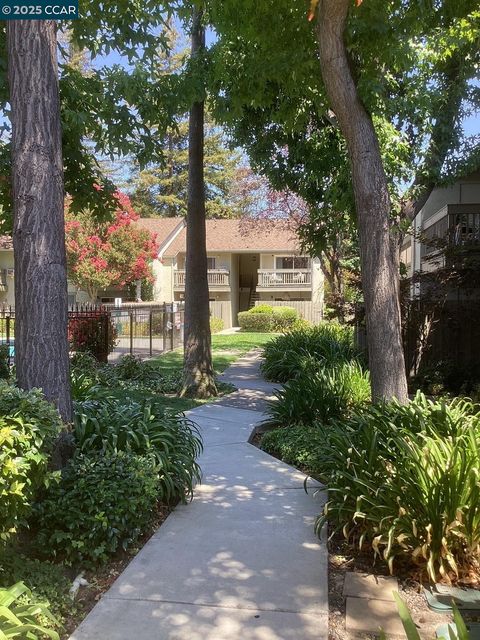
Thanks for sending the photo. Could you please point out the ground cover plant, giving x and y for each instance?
(296, 445)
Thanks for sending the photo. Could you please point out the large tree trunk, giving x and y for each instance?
(198, 369)
(41, 303)
(379, 253)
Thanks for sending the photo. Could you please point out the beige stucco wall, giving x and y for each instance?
(163, 284)
(317, 285)
(465, 191)
(267, 261)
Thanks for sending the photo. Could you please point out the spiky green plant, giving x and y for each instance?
(406, 480)
(21, 615)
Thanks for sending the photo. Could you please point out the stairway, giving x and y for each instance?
(254, 296)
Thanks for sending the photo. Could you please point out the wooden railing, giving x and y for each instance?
(216, 278)
(284, 278)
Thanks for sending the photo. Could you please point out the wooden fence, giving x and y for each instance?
(305, 308)
(222, 309)
(443, 332)
(448, 332)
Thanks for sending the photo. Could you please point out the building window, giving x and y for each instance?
(211, 263)
(292, 262)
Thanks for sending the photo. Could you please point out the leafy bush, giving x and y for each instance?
(88, 334)
(298, 446)
(328, 343)
(28, 429)
(249, 321)
(216, 325)
(261, 308)
(22, 617)
(142, 428)
(130, 367)
(284, 318)
(102, 382)
(446, 376)
(32, 408)
(46, 580)
(406, 480)
(4, 361)
(319, 394)
(103, 503)
(266, 318)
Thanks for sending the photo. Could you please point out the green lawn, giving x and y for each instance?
(225, 350)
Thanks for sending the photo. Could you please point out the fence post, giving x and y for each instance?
(172, 322)
(108, 324)
(131, 332)
(150, 328)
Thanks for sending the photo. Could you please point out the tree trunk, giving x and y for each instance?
(379, 255)
(198, 369)
(41, 302)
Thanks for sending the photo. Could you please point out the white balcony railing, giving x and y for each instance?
(216, 278)
(284, 278)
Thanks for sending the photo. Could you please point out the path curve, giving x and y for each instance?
(241, 561)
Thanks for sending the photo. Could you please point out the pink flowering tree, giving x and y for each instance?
(104, 254)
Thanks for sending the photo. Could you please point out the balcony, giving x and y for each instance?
(284, 279)
(451, 238)
(217, 279)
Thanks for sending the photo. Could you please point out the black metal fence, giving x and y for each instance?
(112, 332)
(147, 330)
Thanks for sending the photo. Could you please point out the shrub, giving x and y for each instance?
(22, 616)
(216, 325)
(284, 318)
(255, 321)
(319, 394)
(103, 382)
(328, 343)
(406, 480)
(298, 446)
(266, 318)
(4, 361)
(103, 503)
(87, 334)
(261, 308)
(300, 324)
(142, 428)
(28, 429)
(32, 408)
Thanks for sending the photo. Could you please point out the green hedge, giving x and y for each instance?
(266, 318)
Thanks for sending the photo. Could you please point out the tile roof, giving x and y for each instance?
(230, 235)
(163, 227)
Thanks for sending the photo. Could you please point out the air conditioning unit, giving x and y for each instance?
(10, 273)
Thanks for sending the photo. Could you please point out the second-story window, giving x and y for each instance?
(292, 262)
(210, 263)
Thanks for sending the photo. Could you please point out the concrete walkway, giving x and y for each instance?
(241, 561)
